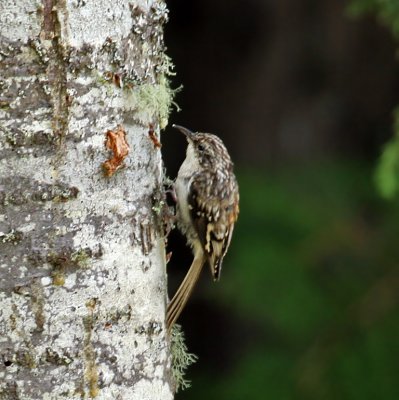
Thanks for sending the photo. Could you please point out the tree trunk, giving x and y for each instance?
(83, 96)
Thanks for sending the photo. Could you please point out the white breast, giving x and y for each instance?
(189, 167)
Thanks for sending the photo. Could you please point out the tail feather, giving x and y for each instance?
(179, 300)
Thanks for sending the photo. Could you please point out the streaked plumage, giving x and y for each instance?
(207, 209)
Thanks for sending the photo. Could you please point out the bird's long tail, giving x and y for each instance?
(176, 305)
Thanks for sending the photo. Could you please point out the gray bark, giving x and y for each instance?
(82, 258)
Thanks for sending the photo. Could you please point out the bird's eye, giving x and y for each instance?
(201, 147)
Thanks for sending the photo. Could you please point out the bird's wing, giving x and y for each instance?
(213, 214)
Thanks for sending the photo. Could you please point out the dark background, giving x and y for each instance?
(302, 95)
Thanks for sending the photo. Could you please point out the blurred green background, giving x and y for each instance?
(313, 285)
(307, 305)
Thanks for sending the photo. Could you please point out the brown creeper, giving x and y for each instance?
(207, 209)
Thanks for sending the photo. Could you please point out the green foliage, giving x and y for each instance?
(307, 280)
(359, 7)
(387, 171)
(386, 10)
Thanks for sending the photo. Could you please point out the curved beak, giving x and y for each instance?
(183, 130)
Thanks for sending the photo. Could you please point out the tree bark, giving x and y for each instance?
(83, 96)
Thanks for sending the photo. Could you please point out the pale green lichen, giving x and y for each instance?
(156, 99)
(58, 277)
(65, 261)
(25, 358)
(166, 67)
(80, 258)
(158, 207)
(153, 102)
(181, 358)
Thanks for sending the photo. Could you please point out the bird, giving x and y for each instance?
(207, 209)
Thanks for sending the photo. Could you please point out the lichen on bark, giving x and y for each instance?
(82, 258)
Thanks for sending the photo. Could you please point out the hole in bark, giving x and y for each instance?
(7, 363)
